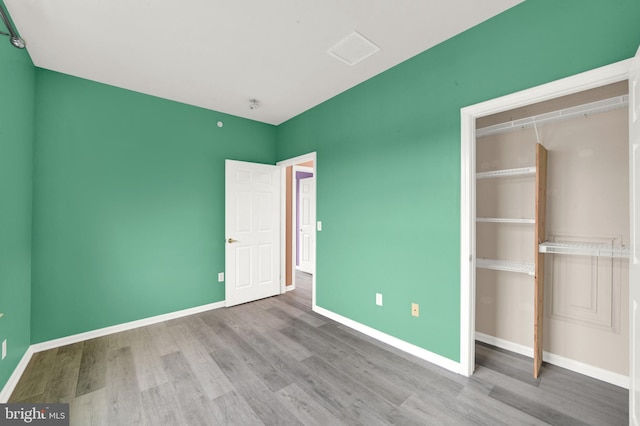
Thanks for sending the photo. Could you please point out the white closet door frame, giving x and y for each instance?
(634, 261)
(613, 73)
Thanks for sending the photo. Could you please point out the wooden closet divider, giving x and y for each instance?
(541, 207)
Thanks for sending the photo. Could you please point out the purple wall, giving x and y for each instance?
(299, 175)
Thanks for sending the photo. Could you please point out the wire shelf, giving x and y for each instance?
(507, 265)
(559, 115)
(583, 249)
(504, 220)
(523, 171)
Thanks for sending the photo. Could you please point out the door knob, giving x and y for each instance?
(231, 240)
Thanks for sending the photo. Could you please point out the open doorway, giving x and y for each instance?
(303, 206)
(299, 226)
(572, 85)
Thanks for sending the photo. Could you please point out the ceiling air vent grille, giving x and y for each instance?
(353, 49)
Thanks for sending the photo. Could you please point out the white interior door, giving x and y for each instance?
(252, 227)
(307, 219)
(634, 264)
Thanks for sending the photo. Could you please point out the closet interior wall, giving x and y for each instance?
(586, 297)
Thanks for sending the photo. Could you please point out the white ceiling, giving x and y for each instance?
(220, 54)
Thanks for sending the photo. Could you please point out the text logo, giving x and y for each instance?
(34, 414)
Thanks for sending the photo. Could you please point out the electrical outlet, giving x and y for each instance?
(4, 348)
(415, 309)
(221, 277)
(379, 299)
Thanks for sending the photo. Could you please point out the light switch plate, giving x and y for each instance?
(379, 299)
(221, 277)
(319, 225)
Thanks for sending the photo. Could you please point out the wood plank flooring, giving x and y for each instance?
(275, 362)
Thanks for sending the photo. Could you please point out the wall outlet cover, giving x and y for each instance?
(415, 309)
(221, 277)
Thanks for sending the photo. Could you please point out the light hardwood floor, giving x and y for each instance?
(275, 362)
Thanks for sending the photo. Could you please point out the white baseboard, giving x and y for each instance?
(404, 346)
(8, 388)
(50, 344)
(588, 370)
(570, 364)
(290, 287)
(505, 344)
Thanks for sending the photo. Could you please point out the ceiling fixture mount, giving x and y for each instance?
(14, 38)
(254, 104)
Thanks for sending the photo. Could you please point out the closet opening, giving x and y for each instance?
(545, 225)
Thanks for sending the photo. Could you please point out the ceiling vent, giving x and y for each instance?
(353, 49)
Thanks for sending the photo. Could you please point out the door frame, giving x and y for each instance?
(312, 156)
(294, 205)
(602, 76)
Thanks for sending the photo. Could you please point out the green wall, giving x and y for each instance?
(389, 159)
(16, 163)
(128, 203)
(128, 189)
